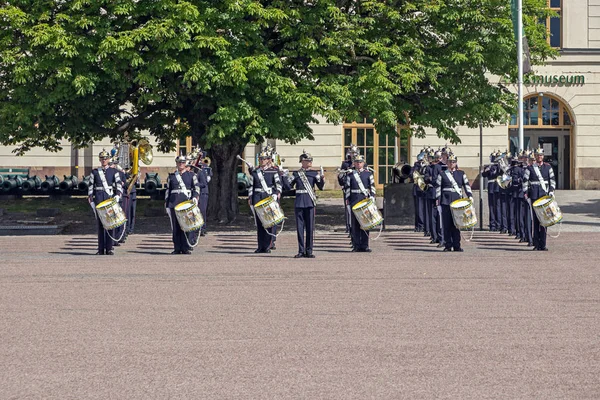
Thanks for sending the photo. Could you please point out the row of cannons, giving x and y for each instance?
(21, 184)
(24, 184)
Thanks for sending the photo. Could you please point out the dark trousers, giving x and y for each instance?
(203, 205)
(263, 238)
(360, 238)
(131, 218)
(178, 237)
(526, 220)
(347, 212)
(494, 226)
(438, 218)
(426, 215)
(539, 232)
(518, 220)
(433, 216)
(105, 243)
(305, 221)
(500, 208)
(451, 232)
(511, 203)
(420, 213)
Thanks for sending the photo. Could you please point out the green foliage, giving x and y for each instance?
(246, 70)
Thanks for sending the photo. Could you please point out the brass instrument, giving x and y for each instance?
(206, 161)
(505, 179)
(130, 154)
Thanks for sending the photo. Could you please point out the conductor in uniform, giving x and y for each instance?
(305, 180)
(105, 183)
(450, 184)
(538, 181)
(182, 185)
(361, 185)
(263, 185)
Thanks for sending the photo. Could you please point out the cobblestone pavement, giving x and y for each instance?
(406, 321)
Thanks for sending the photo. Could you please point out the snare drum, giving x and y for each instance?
(463, 213)
(367, 214)
(111, 214)
(269, 212)
(189, 216)
(547, 211)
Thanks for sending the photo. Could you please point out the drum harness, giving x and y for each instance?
(269, 191)
(109, 191)
(188, 193)
(542, 183)
(366, 193)
(458, 190)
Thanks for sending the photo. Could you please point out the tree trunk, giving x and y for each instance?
(223, 198)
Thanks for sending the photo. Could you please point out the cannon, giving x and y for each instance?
(242, 184)
(31, 183)
(69, 183)
(11, 182)
(50, 183)
(84, 185)
(151, 182)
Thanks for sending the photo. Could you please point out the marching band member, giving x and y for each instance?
(357, 183)
(346, 166)
(132, 206)
(263, 185)
(418, 194)
(273, 168)
(305, 180)
(517, 182)
(431, 179)
(105, 183)
(538, 181)
(513, 192)
(527, 218)
(123, 200)
(182, 185)
(448, 189)
(208, 173)
(491, 173)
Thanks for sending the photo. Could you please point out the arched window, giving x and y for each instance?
(543, 111)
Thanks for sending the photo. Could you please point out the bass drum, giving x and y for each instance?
(269, 212)
(367, 214)
(547, 211)
(463, 213)
(111, 214)
(189, 216)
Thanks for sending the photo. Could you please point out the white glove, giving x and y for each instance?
(117, 198)
(471, 198)
(208, 178)
(195, 200)
(286, 172)
(551, 194)
(274, 196)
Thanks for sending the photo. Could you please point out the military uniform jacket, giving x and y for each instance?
(445, 190)
(209, 174)
(303, 199)
(202, 182)
(96, 190)
(418, 167)
(531, 182)
(346, 164)
(431, 175)
(354, 194)
(517, 173)
(256, 192)
(491, 174)
(133, 193)
(176, 194)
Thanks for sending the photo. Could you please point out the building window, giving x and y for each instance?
(543, 111)
(554, 24)
(380, 151)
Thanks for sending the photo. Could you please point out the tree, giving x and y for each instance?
(231, 72)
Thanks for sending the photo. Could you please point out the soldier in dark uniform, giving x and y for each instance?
(513, 193)
(450, 184)
(538, 181)
(491, 173)
(208, 172)
(431, 179)
(104, 184)
(305, 180)
(526, 217)
(360, 184)
(346, 166)
(418, 194)
(503, 195)
(182, 185)
(273, 168)
(123, 201)
(263, 185)
(132, 207)
(517, 173)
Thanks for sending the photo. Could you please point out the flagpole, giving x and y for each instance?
(520, 76)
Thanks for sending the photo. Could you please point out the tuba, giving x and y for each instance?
(505, 179)
(130, 154)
